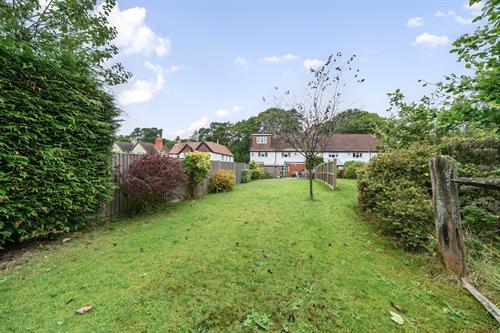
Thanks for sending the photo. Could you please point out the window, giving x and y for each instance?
(261, 140)
(357, 155)
(263, 154)
(286, 154)
(333, 155)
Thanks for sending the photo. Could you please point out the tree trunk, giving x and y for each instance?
(311, 194)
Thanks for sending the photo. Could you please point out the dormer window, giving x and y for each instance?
(262, 140)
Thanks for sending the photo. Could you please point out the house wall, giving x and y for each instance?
(116, 149)
(276, 158)
(138, 150)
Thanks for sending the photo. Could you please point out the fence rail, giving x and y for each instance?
(121, 162)
(327, 173)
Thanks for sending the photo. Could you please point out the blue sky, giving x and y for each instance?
(200, 61)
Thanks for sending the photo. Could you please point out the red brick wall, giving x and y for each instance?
(203, 147)
(293, 167)
(259, 146)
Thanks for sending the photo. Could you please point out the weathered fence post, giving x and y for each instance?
(447, 214)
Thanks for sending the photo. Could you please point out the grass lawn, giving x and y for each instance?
(262, 257)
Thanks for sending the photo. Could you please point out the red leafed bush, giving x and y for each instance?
(151, 180)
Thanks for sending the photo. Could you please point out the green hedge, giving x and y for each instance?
(351, 169)
(56, 132)
(246, 175)
(395, 189)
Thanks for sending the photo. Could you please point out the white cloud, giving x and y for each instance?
(242, 61)
(275, 59)
(463, 20)
(442, 14)
(312, 63)
(142, 90)
(430, 41)
(202, 122)
(415, 22)
(134, 36)
(221, 113)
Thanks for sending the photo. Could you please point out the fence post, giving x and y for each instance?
(334, 174)
(447, 214)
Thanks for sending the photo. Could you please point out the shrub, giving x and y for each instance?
(56, 132)
(256, 171)
(197, 166)
(394, 188)
(222, 181)
(151, 180)
(351, 169)
(246, 175)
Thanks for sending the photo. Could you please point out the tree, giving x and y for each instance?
(55, 27)
(146, 134)
(355, 121)
(311, 116)
(196, 164)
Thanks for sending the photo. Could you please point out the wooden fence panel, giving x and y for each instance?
(327, 173)
(120, 164)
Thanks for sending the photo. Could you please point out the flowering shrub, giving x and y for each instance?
(196, 165)
(152, 179)
(256, 171)
(222, 181)
(246, 175)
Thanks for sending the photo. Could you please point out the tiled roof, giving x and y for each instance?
(212, 146)
(125, 146)
(148, 147)
(333, 143)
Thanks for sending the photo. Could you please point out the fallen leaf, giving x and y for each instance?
(397, 318)
(64, 240)
(84, 309)
(69, 301)
(398, 307)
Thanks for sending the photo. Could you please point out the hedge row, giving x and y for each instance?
(56, 131)
(395, 189)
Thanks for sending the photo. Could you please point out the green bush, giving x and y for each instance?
(56, 131)
(197, 166)
(395, 189)
(246, 175)
(256, 171)
(351, 168)
(222, 181)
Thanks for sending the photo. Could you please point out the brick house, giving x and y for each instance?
(217, 151)
(271, 151)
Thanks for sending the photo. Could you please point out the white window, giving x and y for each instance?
(262, 154)
(357, 155)
(333, 155)
(286, 154)
(261, 140)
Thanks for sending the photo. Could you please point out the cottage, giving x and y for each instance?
(269, 150)
(217, 151)
(140, 148)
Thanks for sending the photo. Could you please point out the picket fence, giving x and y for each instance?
(121, 162)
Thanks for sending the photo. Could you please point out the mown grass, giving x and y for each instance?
(262, 257)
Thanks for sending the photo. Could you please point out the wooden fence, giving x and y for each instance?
(446, 204)
(327, 173)
(121, 162)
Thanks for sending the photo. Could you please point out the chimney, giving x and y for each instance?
(159, 143)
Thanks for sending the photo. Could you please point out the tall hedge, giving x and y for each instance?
(56, 132)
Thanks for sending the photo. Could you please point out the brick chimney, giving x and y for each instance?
(159, 143)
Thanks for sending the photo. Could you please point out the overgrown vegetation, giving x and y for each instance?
(222, 181)
(56, 131)
(246, 175)
(196, 164)
(351, 169)
(256, 171)
(151, 180)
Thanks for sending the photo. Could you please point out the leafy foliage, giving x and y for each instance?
(58, 27)
(246, 175)
(314, 162)
(394, 188)
(196, 164)
(355, 121)
(351, 168)
(151, 180)
(222, 181)
(56, 134)
(256, 171)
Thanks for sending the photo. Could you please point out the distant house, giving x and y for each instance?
(217, 151)
(140, 148)
(268, 150)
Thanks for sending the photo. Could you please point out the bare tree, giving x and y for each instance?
(310, 120)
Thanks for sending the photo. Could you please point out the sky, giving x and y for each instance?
(196, 61)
